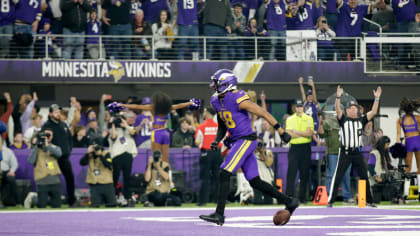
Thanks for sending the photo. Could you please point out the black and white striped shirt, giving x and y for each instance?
(351, 131)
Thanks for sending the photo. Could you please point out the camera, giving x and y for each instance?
(97, 144)
(97, 147)
(41, 136)
(116, 120)
(260, 144)
(156, 155)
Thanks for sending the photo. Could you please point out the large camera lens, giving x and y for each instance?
(156, 155)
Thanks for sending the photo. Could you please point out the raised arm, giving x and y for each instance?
(263, 103)
(181, 105)
(302, 90)
(312, 84)
(377, 93)
(146, 107)
(338, 103)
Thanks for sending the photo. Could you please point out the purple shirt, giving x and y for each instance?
(7, 13)
(331, 6)
(350, 21)
(152, 9)
(312, 110)
(28, 10)
(303, 19)
(246, 6)
(93, 28)
(187, 12)
(238, 122)
(134, 8)
(404, 10)
(276, 19)
(145, 131)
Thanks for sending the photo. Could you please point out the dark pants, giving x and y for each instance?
(358, 163)
(8, 190)
(163, 199)
(67, 171)
(209, 174)
(51, 190)
(299, 158)
(122, 163)
(105, 192)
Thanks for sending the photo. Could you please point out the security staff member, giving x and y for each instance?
(351, 125)
(301, 127)
(99, 174)
(209, 160)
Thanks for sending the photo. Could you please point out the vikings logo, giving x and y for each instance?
(116, 70)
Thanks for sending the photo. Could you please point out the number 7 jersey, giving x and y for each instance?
(238, 122)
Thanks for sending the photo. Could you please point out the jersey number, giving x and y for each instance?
(228, 119)
(188, 4)
(304, 15)
(5, 6)
(355, 17)
(278, 10)
(95, 28)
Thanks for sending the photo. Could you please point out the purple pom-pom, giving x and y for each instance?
(115, 107)
(196, 104)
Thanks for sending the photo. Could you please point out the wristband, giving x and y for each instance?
(337, 97)
(277, 126)
(377, 99)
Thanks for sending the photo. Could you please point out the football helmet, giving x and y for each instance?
(223, 80)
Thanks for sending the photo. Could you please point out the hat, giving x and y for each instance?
(309, 92)
(351, 103)
(299, 103)
(89, 111)
(146, 100)
(54, 107)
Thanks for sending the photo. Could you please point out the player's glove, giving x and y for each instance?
(196, 104)
(228, 142)
(285, 137)
(214, 146)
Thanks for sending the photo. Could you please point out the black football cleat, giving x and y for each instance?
(214, 218)
(291, 207)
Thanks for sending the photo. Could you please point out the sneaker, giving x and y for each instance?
(330, 205)
(214, 218)
(291, 207)
(148, 204)
(373, 205)
(349, 201)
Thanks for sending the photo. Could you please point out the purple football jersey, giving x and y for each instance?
(152, 9)
(303, 19)
(404, 10)
(187, 12)
(28, 10)
(93, 28)
(331, 6)
(246, 6)
(350, 21)
(7, 13)
(145, 131)
(276, 19)
(135, 6)
(238, 122)
(311, 110)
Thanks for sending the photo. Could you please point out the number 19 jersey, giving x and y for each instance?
(238, 122)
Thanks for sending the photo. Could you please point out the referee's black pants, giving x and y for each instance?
(344, 160)
(210, 162)
(299, 158)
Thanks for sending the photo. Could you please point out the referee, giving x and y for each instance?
(209, 160)
(351, 130)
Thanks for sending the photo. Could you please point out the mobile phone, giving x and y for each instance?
(310, 78)
(108, 97)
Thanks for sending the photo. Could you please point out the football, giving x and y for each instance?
(281, 217)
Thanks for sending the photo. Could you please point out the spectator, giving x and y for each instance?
(79, 138)
(264, 161)
(269, 137)
(92, 43)
(44, 157)
(74, 25)
(18, 142)
(276, 26)
(331, 13)
(161, 30)
(9, 165)
(416, 48)
(6, 26)
(123, 149)
(45, 41)
(30, 109)
(379, 161)
(301, 127)
(367, 136)
(249, 8)
(324, 35)
(5, 117)
(56, 16)
(27, 16)
(262, 21)
(311, 104)
(217, 20)
(157, 176)
(385, 17)
(141, 45)
(143, 126)
(99, 174)
(184, 136)
(299, 15)
(187, 26)
(62, 138)
(236, 49)
(152, 9)
(36, 120)
(92, 130)
(210, 160)
(135, 7)
(20, 107)
(349, 24)
(329, 130)
(116, 15)
(253, 30)
(189, 115)
(103, 114)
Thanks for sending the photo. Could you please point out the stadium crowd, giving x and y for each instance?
(82, 21)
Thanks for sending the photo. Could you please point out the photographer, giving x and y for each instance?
(158, 182)
(44, 157)
(99, 174)
(264, 161)
(123, 149)
(379, 161)
(324, 34)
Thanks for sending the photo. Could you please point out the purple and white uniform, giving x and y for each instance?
(7, 13)
(276, 19)
(350, 20)
(145, 131)
(28, 11)
(303, 19)
(187, 12)
(160, 135)
(93, 28)
(238, 123)
(404, 10)
(412, 144)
